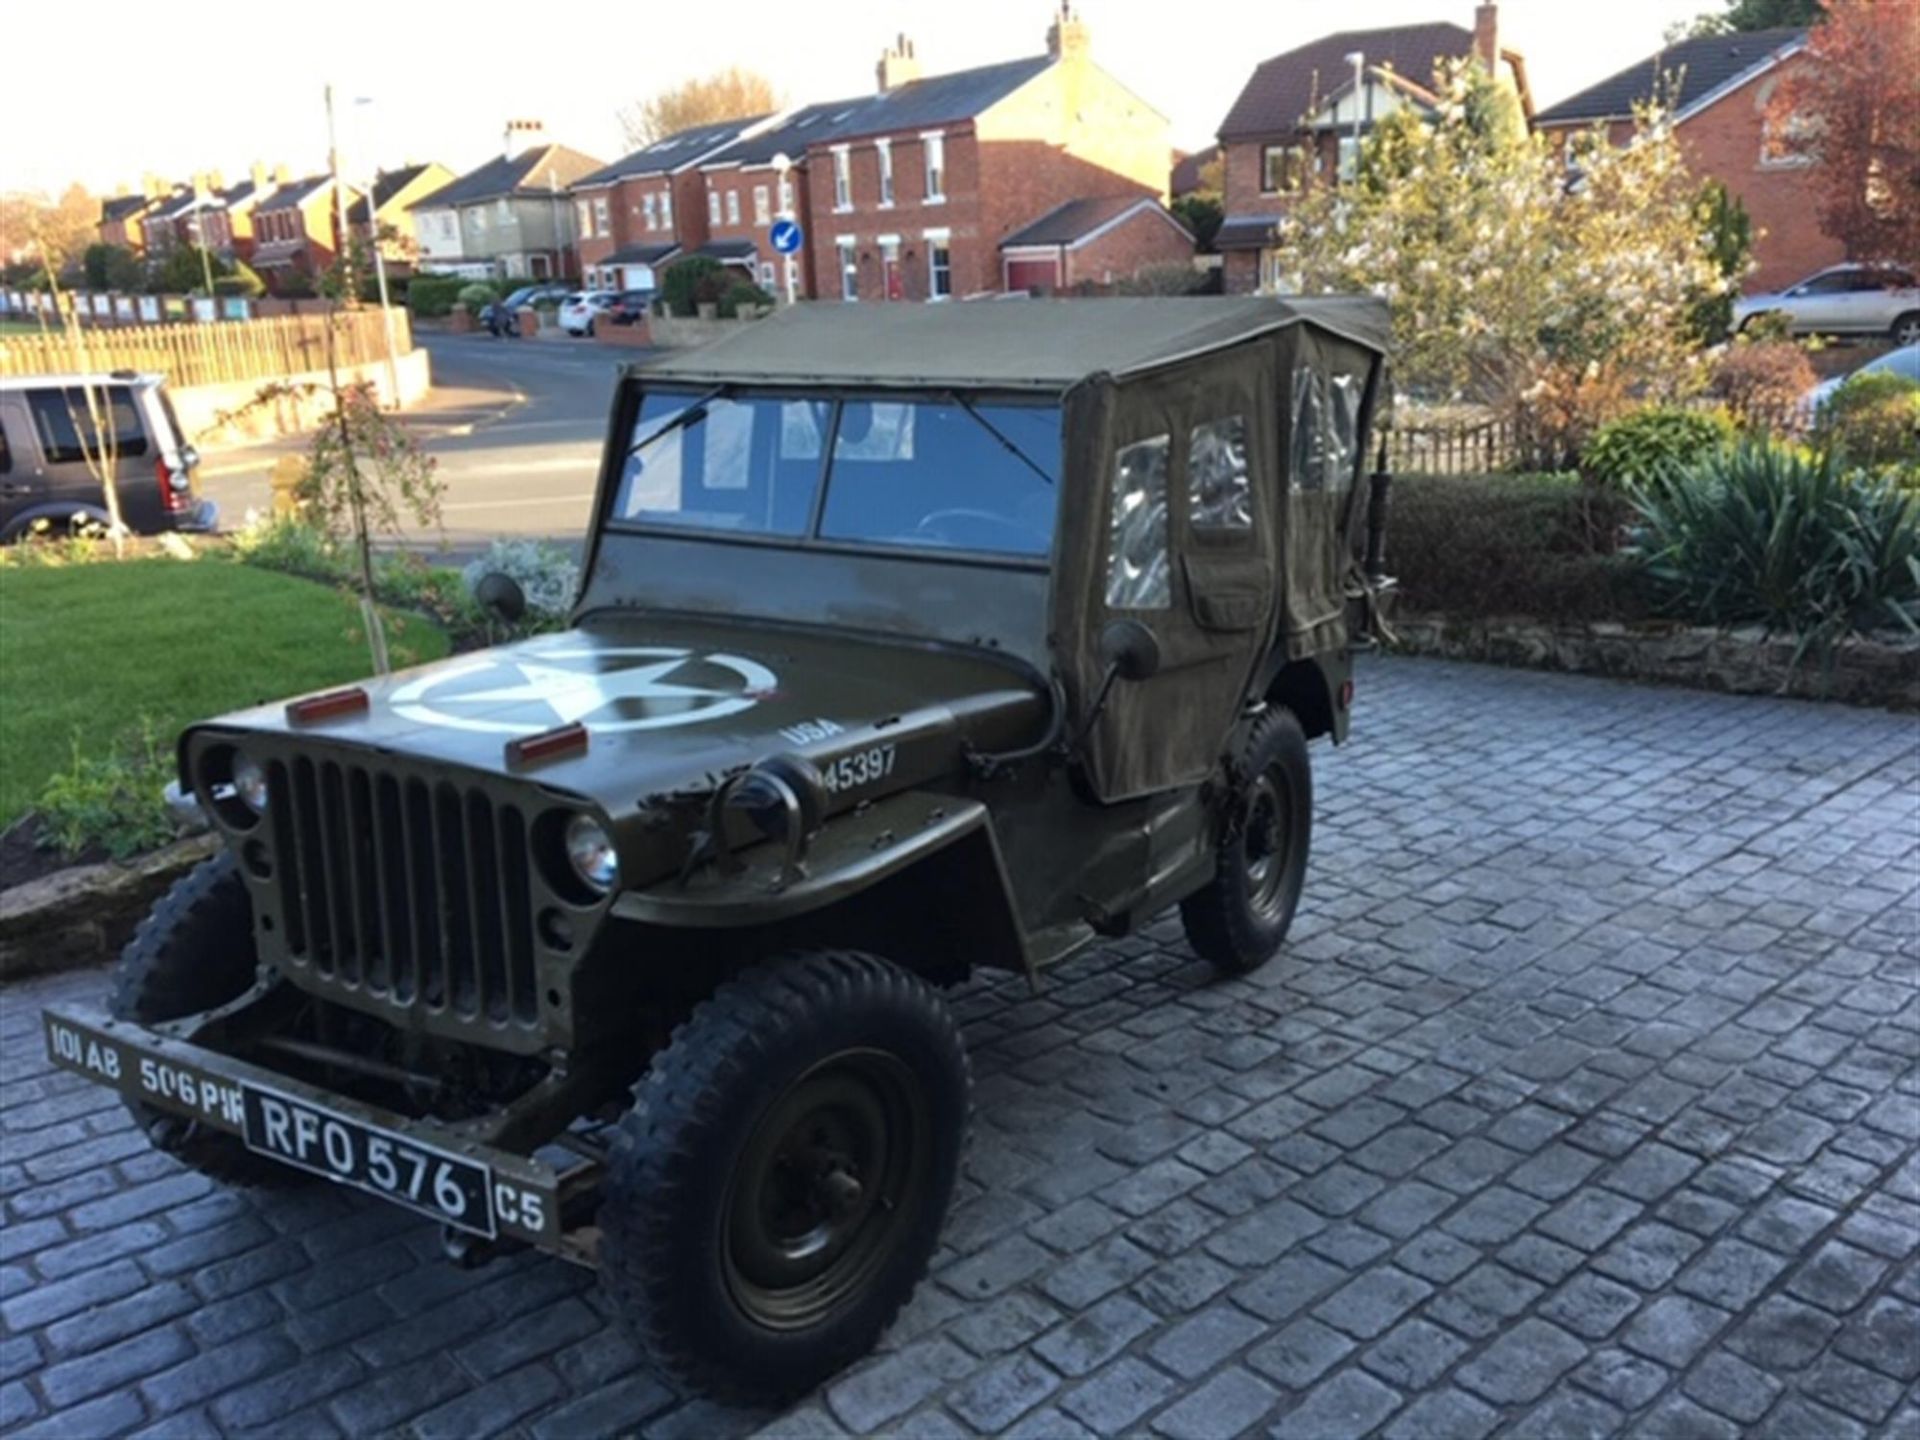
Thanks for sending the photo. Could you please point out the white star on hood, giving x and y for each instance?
(575, 694)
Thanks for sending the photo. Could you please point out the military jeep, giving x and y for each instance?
(911, 641)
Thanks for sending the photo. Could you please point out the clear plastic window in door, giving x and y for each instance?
(1219, 490)
(1347, 393)
(1308, 453)
(1138, 572)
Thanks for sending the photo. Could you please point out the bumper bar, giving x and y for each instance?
(420, 1165)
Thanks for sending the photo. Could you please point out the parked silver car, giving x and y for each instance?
(1844, 300)
(51, 450)
(1904, 361)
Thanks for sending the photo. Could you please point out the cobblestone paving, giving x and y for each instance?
(1585, 1102)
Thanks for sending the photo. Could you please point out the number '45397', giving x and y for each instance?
(861, 767)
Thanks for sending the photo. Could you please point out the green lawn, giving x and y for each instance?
(89, 650)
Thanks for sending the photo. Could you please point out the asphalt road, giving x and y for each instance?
(516, 427)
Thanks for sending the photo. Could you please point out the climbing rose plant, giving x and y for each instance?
(1519, 277)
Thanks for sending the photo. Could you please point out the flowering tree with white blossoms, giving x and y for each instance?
(1546, 286)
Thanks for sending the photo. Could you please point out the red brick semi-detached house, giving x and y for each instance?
(295, 231)
(1294, 122)
(1093, 242)
(120, 221)
(642, 210)
(911, 197)
(1720, 87)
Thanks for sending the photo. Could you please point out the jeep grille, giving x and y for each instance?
(413, 891)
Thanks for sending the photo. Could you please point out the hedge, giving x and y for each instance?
(432, 296)
(1491, 545)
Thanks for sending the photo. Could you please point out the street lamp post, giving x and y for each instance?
(379, 256)
(1357, 59)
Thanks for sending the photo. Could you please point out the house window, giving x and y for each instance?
(762, 205)
(506, 209)
(601, 221)
(666, 210)
(713, 207)
(842, 179)
(1349, 158)
(935, 148)
(849, 267)
(652, 216)
(786, 196)
(766, 275)
(884, 149)
(939, 264)
(1281, 168)
(585, 216)
(733, 207)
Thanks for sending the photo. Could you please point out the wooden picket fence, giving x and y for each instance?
(212, 354)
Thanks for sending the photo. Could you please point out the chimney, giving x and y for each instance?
(281, 174)
(1486, 36)
(152, 186)
(524, 135)
(259, 174)
(898, 65)
(1067, 36)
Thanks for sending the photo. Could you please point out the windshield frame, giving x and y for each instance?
(636, 391)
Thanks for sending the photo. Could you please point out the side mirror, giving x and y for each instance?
(1130, 650)
(501, 596)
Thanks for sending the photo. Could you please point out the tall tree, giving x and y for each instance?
(1852, 101)
(1739, 15)
(730, 94)
(30, 220)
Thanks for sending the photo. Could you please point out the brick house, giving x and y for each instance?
(1719, 87)
(120, 221)
(1093, 241)
(295, 231)
(913, 194)
(646, 207)
(229, 226)
(511, 218)
(161, 223)
(393, 193)
(1299, 119)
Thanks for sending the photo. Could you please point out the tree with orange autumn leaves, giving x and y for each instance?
(1853, 101)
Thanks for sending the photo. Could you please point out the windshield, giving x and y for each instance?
(925, 474)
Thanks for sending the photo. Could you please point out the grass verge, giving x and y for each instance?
(92, 655)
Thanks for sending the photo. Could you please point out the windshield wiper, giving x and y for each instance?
(1013, 449)
(692, 415)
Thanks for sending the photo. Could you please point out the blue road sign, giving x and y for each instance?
(786, 236)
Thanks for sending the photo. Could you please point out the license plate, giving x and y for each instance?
(447, 1187)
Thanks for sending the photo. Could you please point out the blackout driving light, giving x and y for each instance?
(590, 852)
(250, 782)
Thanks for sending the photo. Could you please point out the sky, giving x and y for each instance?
(144, 95)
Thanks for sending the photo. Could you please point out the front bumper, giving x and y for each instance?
(522, 1195)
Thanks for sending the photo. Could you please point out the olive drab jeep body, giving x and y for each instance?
(912, 641)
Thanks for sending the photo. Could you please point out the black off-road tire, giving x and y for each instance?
(194, 951)
(684, 1225)
(1238, 919)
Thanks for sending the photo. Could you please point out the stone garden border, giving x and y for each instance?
(1878, 671)
(82, 915)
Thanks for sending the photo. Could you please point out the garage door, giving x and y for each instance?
(1033, 274)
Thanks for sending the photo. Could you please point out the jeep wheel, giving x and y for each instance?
(1238, 919)
(778, 1188)
(194, 951)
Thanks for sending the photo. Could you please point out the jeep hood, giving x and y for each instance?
(668, 703)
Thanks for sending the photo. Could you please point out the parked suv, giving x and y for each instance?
(1844, 300)
(912, 641)
(51, 451)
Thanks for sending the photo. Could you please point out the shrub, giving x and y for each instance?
(112, 802)
(432, 296)
(1762, 382)
(545, 572)
(1170, 279)
(742, 294)
(1769, 327)
(1772, 535)
(476, 295)
(1645, 445)
(243, 281)
(690, 281)
(1490, 545)
(1872, 421)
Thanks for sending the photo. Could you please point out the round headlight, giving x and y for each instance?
(590, 852)
(250, 782)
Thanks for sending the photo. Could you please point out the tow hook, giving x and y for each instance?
(469, 1251)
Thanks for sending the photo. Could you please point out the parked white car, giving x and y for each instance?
(580, 309)
(1844, 300)
(1903, 361)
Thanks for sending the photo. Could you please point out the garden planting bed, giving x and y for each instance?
(1882, 670)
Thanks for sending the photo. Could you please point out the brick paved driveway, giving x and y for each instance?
(1585, 1102)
